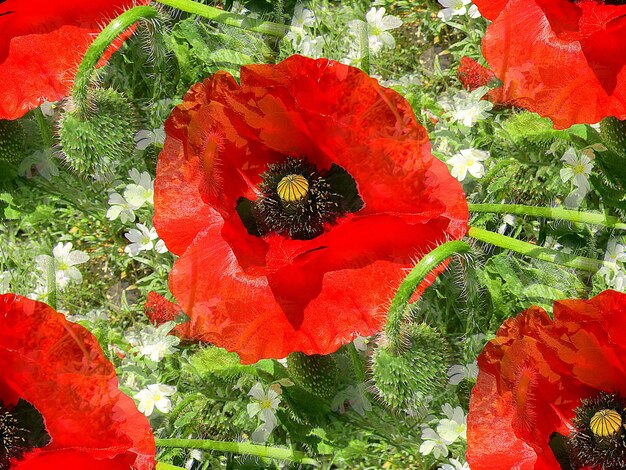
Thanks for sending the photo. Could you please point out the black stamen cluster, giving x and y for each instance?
(588, 450)
(330, 195)
(12, 440)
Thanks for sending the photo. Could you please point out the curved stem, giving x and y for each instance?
(412, 281)
(239, 448)
(100, 45)
(227, 18)
(534, 251)
(550, 213)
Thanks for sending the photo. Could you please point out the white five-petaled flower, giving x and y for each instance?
(120, 207)
(468, 160)
(155, 395)
(154, 342)
(577, 168)
(264, 404)
(433, 442)
(454, 426)
(141, 191)
(457, 8)
(455, 465)
(143, 238)
(378, 26)
(144, 138)
(354, 396)
(42, 161)
(64, 261)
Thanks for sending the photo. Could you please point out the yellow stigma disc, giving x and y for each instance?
(292, 188)
(605, 423)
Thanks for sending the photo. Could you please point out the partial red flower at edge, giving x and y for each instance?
(58, 367)
(41, 45)
(245, 283)
(539, 378)
(561, 59)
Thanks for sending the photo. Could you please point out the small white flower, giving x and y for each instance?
(454, 426)
(577, 168)
(453, 8)
(457, 373)
(47, 108)
(144, 138)
(5, 280)
(468, 160)
(120, 207)
(311, 47)
(42, 162)
(455, 465)
(141, 192)
(432, 442)
(378, 24)
(264, 404)
(64, 261)
(143, 239)
(614, 252)
(507, 221)
(360, 343)
(468, 108)
(195, 455)
(155, 395)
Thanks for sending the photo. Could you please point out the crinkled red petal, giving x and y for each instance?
(535, 373)
(269, 296)
(60, 369)
(560, 59)
(41, 44)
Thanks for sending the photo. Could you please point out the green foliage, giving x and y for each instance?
(95, 142)
(405, 377)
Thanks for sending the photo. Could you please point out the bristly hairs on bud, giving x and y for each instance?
(12, 148)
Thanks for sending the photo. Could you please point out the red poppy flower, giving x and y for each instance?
(551, 394)
(59, 402)
(296, 201)
(559, 58)
(41, 44)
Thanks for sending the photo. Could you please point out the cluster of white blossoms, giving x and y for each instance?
(452, 8)
(134, 196)
(467, 108)
(264, 405)
(613, 268)
(449, 429)
(301, 35)
(577, 168)
(154, 342)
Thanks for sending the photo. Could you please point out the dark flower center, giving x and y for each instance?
(299, 201)
(598, 439)
(21, 429)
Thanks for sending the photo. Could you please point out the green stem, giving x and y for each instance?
(550, 213)
(534, 251)
(100, 45)
(412, 281)
(357, 362)
(239, 448)
(51, 283)
(364, 46)
(44, 127)
(227, 18)
(167, 466)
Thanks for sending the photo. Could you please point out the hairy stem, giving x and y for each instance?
(412, 281)
(100, 45)
(551, 213)
(534, 251)
(239, 448)
(227, 18)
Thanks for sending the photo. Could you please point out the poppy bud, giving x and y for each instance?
(317, 374)
(613, 132)
(12, 138)
(404, 377)
(94, 142)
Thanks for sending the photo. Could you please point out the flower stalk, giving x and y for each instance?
(238, 448)
(534, 251)
(412, 281)
(100, 45)
(227, 18)
(44, 128)
(551, 213)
